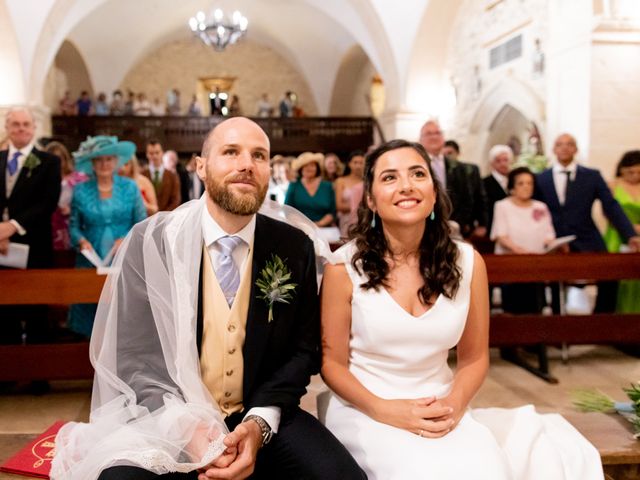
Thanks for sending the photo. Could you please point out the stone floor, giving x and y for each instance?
(506, 386)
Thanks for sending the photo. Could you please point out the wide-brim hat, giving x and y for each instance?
(307, 158)
(101, 146)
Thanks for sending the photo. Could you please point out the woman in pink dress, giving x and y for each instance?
(70, 178)
(349, 193)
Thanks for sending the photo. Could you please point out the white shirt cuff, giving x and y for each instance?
(20, 231)
(271, 415)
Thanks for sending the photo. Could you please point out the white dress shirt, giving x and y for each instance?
(502, 180)
(211, 233)
(560, 178)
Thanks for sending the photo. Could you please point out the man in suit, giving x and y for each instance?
(461, 180)
(29, 193)
(29, 190)
(165, 182)
(495, 184)
(255, 360)
(569, 190)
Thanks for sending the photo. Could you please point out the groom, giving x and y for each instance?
(255, 367)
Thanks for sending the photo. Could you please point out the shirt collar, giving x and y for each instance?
(212, 232)
(501, 179)
(26, 150)
(572, 167)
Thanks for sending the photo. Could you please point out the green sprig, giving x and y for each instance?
(274, 283)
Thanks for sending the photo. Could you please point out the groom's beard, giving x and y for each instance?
(234, 202)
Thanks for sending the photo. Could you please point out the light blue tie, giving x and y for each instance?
(12, 166)
(227, 271)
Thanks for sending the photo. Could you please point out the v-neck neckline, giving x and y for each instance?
(402, 309)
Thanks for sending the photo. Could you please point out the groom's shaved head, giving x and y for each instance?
(241, 124)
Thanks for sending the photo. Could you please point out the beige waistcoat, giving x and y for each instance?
(224, 330)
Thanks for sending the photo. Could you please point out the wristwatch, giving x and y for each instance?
(267, 433)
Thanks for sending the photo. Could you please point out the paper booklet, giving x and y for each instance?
(16, 257)
(34, 460)
(558, 242)
(101, 264)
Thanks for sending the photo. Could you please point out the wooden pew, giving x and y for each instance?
(67, 286)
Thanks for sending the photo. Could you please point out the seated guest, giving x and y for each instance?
(157, 107)
(171, 162)
(332, 167)
(103, 210)
(84, 105)
(569, 190)
(67, 106)
(132, 170)
(165, 182)
(70, 178)
(310, 194)
(101, 108)
(264, 108)
(281, 173)
(349, 193)
(400, 297)
(521, 225)
(495, 184)
(117, 104)
(141, 106)
(626, 190)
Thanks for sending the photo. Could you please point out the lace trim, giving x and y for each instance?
(160, 462)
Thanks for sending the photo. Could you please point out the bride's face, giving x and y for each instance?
(402, 190)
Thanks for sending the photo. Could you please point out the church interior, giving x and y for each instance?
(353, 73)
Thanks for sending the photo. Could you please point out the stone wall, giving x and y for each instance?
(257, 69)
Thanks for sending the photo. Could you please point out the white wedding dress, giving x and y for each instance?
(397, 355)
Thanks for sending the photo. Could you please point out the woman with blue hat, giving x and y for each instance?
(103, 210)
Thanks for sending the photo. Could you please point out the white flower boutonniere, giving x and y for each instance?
(275, 283)
(30, 163)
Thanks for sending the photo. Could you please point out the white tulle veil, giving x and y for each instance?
(149, 402)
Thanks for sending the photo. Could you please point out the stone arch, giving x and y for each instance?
(507, 109)
(68, 72)
(352, 84)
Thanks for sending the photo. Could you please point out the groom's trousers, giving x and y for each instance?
(302, 449)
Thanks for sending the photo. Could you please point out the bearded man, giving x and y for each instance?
(209, 326)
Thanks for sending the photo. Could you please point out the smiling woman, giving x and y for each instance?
(403, 296)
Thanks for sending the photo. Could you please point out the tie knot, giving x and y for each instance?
(228, 244)
(15, 156)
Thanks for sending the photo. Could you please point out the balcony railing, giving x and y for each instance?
(289, 136)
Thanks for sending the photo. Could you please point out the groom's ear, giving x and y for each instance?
(201, 169)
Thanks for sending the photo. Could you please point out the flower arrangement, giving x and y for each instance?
(596, 401)
(31, 162)
(274, 283)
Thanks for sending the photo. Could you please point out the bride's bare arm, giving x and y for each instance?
(473, 347)
(409, 414)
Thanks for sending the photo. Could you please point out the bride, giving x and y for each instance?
(405, 295)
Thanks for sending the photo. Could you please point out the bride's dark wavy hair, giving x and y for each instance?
(438, 253)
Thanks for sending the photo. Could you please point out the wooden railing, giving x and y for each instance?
(185, 135)
(70, 360)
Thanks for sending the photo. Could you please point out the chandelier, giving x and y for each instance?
(219, 30)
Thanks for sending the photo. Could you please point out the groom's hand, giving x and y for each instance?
(246, 439)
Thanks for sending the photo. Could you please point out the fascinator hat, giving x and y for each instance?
(100, 146)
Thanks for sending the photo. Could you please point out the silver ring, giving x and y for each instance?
(421, 432)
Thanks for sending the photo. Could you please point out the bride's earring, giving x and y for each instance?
(373, 220)
(433, 215)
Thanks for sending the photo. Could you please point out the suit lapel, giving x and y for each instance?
(257, 327)
(549, 185)
(25, 175)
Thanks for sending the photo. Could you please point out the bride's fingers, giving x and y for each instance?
(427, 434)
(433, 411)
(435, 427)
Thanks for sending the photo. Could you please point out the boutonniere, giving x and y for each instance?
(275, 283)
(30, 163)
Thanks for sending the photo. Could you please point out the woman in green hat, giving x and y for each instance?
(103, 210)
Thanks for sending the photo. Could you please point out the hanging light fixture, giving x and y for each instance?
(219, 30)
